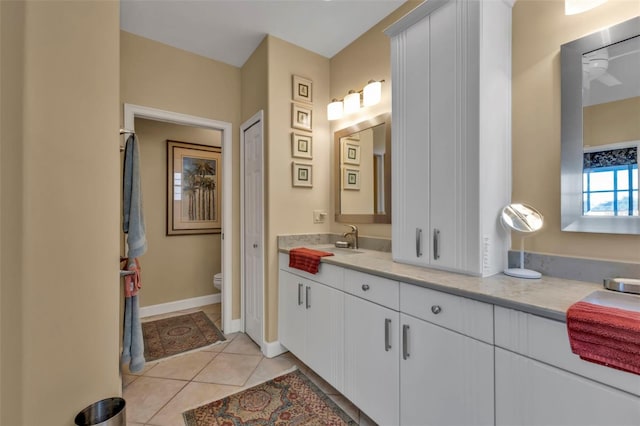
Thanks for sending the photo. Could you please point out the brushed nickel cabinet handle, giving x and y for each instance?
(436, 309)
(405, 341)
(436, 244)
(299, 294)
(418, 242)
(365, 287)
(308, 298)
(387, 334)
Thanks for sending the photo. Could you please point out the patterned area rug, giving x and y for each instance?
(291, 399)
(170, 336)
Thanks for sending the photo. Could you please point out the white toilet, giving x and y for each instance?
(217, 281)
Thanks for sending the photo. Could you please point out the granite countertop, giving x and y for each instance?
(548, 296)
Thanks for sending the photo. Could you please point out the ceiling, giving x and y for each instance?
(230, 30)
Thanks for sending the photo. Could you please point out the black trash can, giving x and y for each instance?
(108, 412)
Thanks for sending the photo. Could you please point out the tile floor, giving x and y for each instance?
(165, 389)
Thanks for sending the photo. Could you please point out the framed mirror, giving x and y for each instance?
(601, 131)
(363, 171)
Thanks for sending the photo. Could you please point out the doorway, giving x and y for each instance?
(131, 112)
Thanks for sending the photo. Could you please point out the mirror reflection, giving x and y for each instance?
(363, 170)
(601, 131)
(611, 129)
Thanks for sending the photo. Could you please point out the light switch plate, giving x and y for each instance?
(319, 216)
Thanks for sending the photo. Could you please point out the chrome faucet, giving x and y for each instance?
(353, 234)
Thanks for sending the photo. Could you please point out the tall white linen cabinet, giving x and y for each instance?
(451, 135)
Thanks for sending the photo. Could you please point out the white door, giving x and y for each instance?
(252, 226)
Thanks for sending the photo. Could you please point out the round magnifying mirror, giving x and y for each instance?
(525, 220)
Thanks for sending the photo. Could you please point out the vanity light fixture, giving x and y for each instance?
(371, 95)
(573, 7)
(351, 102)
(334, 109)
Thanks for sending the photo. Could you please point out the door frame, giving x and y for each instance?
(131, 112)
(256, 118)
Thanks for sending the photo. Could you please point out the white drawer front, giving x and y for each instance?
(330, 275)
(379, 290)
(466, 316)
(546, 340)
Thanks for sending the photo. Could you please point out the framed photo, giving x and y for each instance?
(301, 175)
(301, 146)
(350, 153)
(194, 188)
(302, 89)
(351, 179)
(300, 117)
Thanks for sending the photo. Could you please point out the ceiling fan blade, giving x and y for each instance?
(608, 80)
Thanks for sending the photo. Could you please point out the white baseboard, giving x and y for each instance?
(272, 349)
(234, 327)
(178, 305)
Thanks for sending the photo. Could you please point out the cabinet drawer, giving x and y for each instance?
(546, 340)
(379, 290)
(466, 316)
(330, 275)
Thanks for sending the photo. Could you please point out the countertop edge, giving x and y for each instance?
(549, 313)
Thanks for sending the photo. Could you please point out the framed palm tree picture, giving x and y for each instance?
(194, 188)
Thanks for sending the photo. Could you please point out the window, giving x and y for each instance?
(610, 181)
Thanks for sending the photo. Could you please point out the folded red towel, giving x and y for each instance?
(605, 335)
(306, 259)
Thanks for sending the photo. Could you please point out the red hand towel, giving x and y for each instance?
(605, 335)
(306, 259)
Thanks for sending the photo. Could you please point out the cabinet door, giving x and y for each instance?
(371, 359)
(410, 150)
(446, 378)
(532, 393)
(445, 155)
(291, 310)
(325, 330)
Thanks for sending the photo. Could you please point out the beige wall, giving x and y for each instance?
(612, 122)
(290, 210)
(255, 83)
(12, 20)
(174, 267)
(367, 58)
(60, 212)
(539, 28)
(160, 76)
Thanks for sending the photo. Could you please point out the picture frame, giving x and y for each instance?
(301, 146)
(194, 189)
(301, 175)
(302, 90)
(301, 117)
(351, 179)
(351, 153)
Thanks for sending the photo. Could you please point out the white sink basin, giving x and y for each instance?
(612, 299)
(338, 250)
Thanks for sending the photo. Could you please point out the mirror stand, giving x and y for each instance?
(521, 272)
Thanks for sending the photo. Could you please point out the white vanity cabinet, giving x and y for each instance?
(311, 322)
(446, 367)
(540, 381)
(451, 68)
